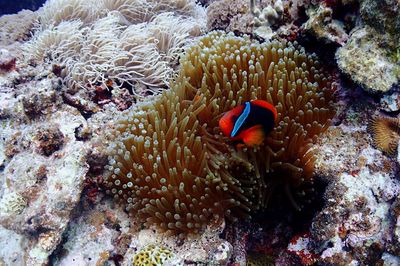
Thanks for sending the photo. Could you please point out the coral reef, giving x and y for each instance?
(390, 102)
(267, 17)
(48, 140)
(7, 61)
(111, 237)
(370, 55)
(385, 133)
(70, 68)
(354, 222)
(207, 249)
(189, 173)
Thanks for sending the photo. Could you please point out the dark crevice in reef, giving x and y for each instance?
(60, 251)
(269, 232)
(325, 52)
(69, 100)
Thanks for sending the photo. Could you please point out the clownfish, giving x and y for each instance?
(249, 123)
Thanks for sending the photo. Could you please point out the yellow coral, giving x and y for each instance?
(169, 162)
(152, 255)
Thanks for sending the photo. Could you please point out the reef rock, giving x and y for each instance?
(371, 56)
(356, 224)
(44, 169)
(364, 58)
(390, 102)
(322, 25)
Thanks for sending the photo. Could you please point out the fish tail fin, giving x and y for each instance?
(254, 136)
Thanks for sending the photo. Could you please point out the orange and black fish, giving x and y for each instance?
(249, 123)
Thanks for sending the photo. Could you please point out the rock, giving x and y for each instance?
(384, 16)
(44, 167)
(371, 56)
(364, 58)
(322, 25)
(7, 61)
(355, 225)
(390, 102)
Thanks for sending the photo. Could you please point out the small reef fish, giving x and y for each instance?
(249, 123)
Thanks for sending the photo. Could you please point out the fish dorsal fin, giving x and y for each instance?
(253, 136)
(241, 119)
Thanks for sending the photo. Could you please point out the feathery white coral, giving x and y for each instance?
(127, 41)
(56, 43)
(137, 11)
(54, 12)
(16, 27)
(98, 54)
(172, 33)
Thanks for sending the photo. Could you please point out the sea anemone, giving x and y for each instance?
(385, 133)
(227, 71)
(169, 163)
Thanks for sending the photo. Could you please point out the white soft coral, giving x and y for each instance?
(127, 41)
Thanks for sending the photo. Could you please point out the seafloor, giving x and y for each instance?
(111, 152)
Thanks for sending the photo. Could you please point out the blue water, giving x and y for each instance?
(14, 6)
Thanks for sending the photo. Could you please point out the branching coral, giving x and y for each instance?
(169, 162)
(385, 133)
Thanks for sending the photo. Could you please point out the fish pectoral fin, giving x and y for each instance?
(254, 136)
(240, 145)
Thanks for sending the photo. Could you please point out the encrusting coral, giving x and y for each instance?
(169, 162)
(385, 133)
(152, 255)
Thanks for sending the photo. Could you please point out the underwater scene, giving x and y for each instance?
(199, 132)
